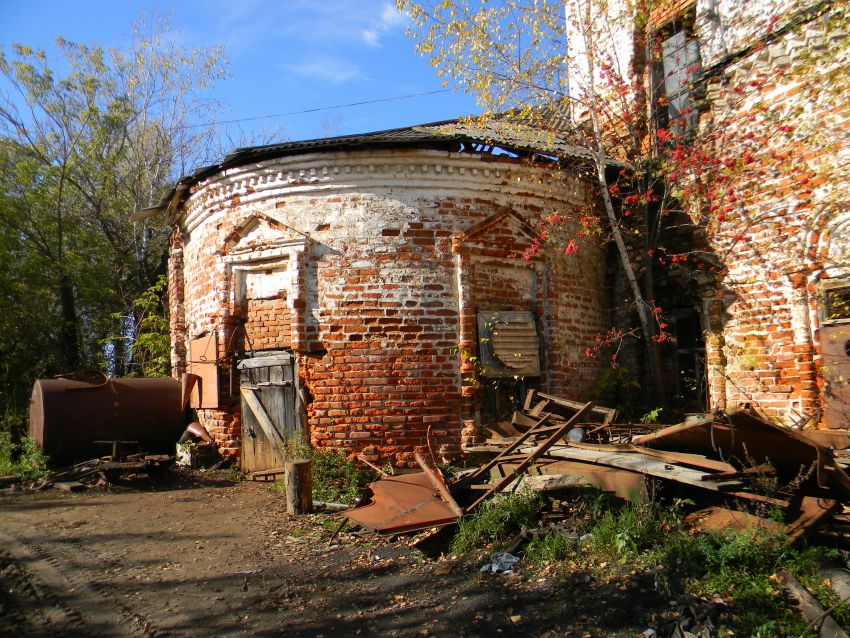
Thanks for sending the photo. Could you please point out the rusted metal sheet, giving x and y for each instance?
(405, 503)
(749, 439)
(835, 439)
(626, 484)
(203, 362)
(68, 415)
(439, 484)
(835, 350)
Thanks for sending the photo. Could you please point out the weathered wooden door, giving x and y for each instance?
(267, 384)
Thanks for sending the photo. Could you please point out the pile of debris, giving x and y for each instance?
(105, 469)
(732, 463)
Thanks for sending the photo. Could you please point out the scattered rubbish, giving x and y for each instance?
(502, 563)
(766, 475)
(107, 469)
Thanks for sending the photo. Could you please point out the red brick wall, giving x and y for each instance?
(373, 299)
(267, 324)
(775, 221)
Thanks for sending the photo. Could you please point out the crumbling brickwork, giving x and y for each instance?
(354, 260)
(780, 227)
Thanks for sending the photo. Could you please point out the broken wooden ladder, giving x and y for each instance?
(541, 434)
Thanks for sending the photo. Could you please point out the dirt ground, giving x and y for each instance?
(198, 556)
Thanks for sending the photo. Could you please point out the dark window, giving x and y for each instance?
(677, 61)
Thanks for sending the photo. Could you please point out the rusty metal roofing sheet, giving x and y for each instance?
(404, 503)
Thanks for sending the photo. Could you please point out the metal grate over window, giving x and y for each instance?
(836, 303)
(509, 344)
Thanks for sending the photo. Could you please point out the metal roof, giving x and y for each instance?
(508, 135)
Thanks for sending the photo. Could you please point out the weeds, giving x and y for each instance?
(496, 519)
(338, 479)
(736, 567)
(551, 547)
(24, 459)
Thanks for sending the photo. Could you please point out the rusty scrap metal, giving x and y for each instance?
(67, 415)
(405, 503)
(745, 438)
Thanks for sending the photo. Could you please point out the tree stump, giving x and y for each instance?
(299, 487)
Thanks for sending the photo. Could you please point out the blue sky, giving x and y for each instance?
(284, 56)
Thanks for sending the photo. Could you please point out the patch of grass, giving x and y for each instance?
(336, 478)
(496, 519)
(233, 474)
(738, 567)
(551, 547)
(24, 458)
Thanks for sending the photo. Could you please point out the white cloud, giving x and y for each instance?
(389, 19)
(328, 68)
(371, 37)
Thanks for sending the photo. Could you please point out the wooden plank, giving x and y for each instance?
(644, 464)
(272, 360)
(263, 473)
(681, 458)
(439, 485)
(537, 410)
(609, 414)
(262, 417)
(484, 470)
(812, 611)
(529, 397)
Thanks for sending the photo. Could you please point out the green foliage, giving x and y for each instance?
(338, 479)
(550, 547)
(496, 519)
(150, 345)
(652, 416)
(631, 532)
(23, 459)
(90, 136)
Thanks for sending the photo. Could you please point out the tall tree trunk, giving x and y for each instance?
(601, 160)
(69, 339)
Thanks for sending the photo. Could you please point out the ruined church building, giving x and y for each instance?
(345, 290)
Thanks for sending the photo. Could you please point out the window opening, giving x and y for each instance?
(836, 303)
(677, 62)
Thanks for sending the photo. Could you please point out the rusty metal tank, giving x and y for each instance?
(67, 415)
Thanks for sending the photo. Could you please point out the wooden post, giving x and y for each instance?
(299, 487)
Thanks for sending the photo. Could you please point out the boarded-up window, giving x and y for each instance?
(673, 75)
(508, 344)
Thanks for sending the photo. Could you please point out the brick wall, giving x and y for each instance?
(780, 224)
(374, 290)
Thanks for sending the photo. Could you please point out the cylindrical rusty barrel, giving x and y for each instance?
(68, 415)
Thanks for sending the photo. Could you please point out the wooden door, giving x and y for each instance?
(267, 384)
